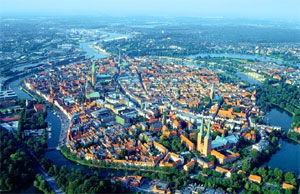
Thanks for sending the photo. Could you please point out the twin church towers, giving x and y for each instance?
(204, 141)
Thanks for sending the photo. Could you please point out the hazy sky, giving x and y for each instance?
(281, 9)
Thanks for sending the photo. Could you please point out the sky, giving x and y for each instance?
(255, 9)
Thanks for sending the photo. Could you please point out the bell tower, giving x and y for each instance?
(207, 141)
(212, 91)
(200, 138)
(93, 74)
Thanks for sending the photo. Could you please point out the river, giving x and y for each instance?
(288, 157)
(237, 56)
(14, 85)
(97, 55)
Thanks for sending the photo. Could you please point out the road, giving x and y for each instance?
(141, 80)
(50, 180)
(65, 123)
(219, 106)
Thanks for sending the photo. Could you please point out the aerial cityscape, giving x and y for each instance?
(150, 97)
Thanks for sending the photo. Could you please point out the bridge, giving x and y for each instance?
(277, 128)
(52, 148)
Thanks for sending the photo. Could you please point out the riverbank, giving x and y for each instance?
(291, 137)
(35, 96)
(99, 50)
(85, 163)
(287, 110)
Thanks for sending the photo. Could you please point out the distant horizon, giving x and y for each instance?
(153, 17)
(231, 9)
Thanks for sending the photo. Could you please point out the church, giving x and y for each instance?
(205, 144)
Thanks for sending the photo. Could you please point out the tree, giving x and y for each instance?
(211, 158)
(246, 165)
(235, 165)
(122, 154)
(290, 177)
(255, 155)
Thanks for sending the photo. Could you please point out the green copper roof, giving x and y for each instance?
(86, 83)
(119, 63)
(93, 95)
(124, 63)
(202, 127)
(93, 67)
(212, 89)
(208, 135)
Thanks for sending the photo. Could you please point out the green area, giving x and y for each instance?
(12, 110)
(32, 120)
(280, 94)
(79, 181)
(291, 136)
(16, 167)
(41, 184)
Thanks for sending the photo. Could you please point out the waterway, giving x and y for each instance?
(288, 157)
(242, 56)
(237, 56)
(14, 85)
(98, 55)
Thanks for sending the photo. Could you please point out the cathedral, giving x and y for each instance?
(204, 142)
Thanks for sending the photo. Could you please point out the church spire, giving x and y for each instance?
(202, 127)
(208, 133)
(93, 74)
(93, 67)
(212, 92)
(119, 62)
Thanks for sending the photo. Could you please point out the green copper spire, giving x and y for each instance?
(93, 67)
(202, 127)
(119, 58)
(223, 135)
(164, 116)
(86, 83)
(208, 135)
